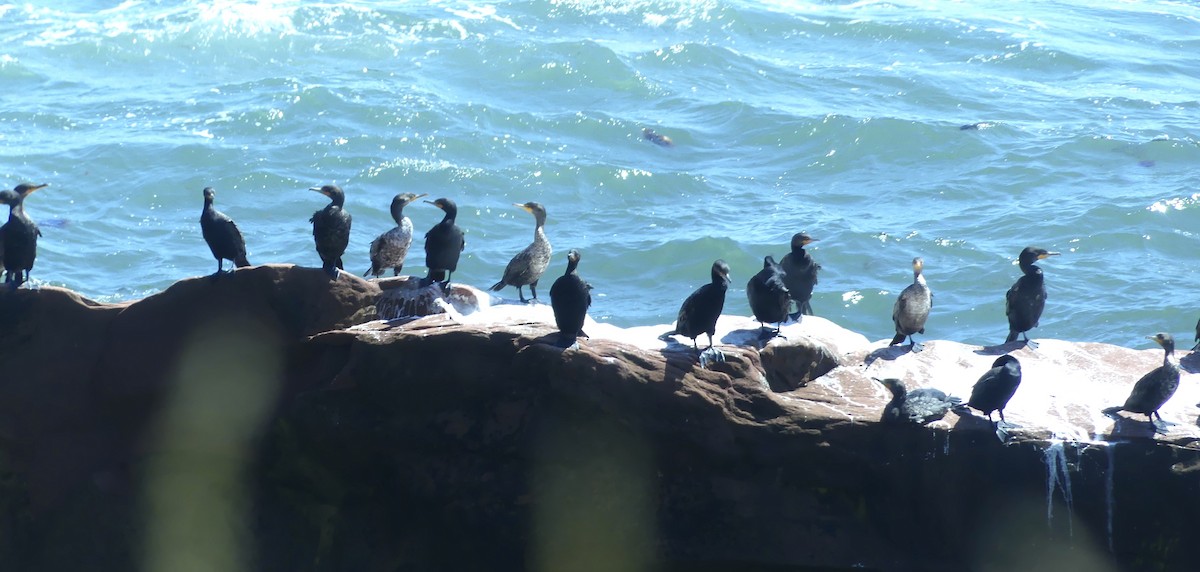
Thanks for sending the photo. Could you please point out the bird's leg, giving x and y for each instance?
(396, 270)
(916, 347)
(521, 294)
(533, 288)
(1028, 342)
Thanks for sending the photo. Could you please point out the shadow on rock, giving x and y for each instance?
(1190, 363)
(889, 353)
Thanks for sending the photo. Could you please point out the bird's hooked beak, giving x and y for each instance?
(414, 199)
(33, 188)
(436, 204)
(810, 240)
(319, 190)
(523, 206)
(1043, 255)
(1158, 339)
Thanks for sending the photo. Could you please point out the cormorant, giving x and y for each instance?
(529, 264)
(768, 295)
(1027, 298)
(443, 244)
(1197, 346)
(222, 235)
(331, 229)
(700, 310)
(997, 386)
(20, 236)
(912, 308)
(570, 297)
(7, 197)
(390, 248)
(919, 406)
(1155, 388)
(800, 273)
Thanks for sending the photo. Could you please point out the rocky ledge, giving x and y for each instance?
(266, 420)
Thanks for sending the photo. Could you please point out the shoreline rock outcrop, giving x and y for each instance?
(473, 441)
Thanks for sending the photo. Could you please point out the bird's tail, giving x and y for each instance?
(666, 336)
(241, 261)
(497, 286)
(339, 264)
(370, 272)
(806, 308)
(1012, 336)
(898, 339)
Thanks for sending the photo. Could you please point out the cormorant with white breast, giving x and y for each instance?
(918, 406)
(389, 249)
(331, 229)
(699, 312)
(1027, 298)
(222, 235)
(996, 387)
(570, 297)
(20, 236)
(800, 273)
(1156, 387)
(443, 245)
(912, 308)
(529, 264)
(768, 295)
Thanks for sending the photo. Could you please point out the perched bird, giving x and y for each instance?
(20, 236)
(997, 386)
(331, 229)
(7, 197)
(570, 297)
(1197, 346)
(222, 235)
(443, 244)
(529, 264)
(800, 273)
(389, 249)
(1155, 388)
(917, 406)
(700, 310)
(768, 295)
(912, 308)
(1027, 298)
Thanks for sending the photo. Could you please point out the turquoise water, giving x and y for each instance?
(841, 119)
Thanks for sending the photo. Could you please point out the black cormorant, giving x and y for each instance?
(20, 236)
(700, 310)
(800, 273)
(997, 386)
(917, 406)
(1197, 346)
(7, 197)
(1027, 298)
(570, 297)
(768, 295)
(1155, 388)
(331, 229)
(912, 308)
(222, 235)
(529, 264)
(390, 248)
(443, 244)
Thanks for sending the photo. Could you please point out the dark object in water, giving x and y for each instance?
(660, 140)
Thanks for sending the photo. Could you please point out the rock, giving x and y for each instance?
(471, 440)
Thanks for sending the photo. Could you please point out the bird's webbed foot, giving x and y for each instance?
(710, 356)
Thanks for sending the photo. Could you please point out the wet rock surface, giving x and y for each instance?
(473, 440)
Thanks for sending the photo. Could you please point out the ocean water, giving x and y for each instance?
(838, 118)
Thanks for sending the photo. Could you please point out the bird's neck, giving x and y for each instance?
(918, 278)
(1169, 358)
(571, 265)
(539, 233)
(1031, 269)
